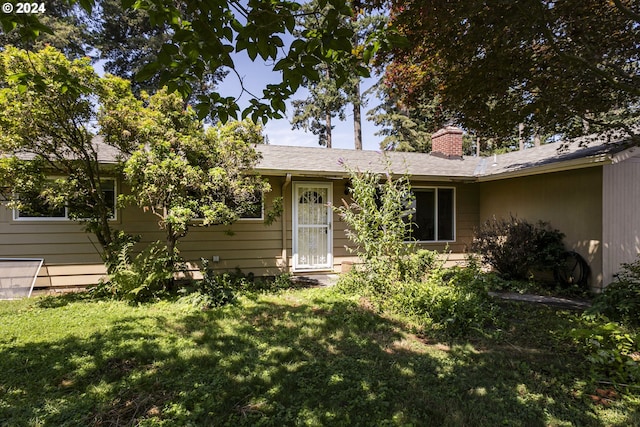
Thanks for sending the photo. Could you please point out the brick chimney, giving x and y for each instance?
(447, 143)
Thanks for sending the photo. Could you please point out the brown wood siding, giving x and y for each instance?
(72, 256)
(571, 201)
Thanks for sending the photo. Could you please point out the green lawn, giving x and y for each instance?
(303, 357)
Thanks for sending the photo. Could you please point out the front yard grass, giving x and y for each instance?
(309, 357)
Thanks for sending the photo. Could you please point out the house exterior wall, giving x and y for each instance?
(620, 215)
(72, 256)
(248, 244)
(570, 201)
(72, 259)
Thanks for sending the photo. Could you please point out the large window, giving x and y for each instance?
(433, 215)
(255, 210)
(38, 210)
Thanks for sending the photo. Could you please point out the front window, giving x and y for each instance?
(256, 210)
(39, 210)
(433, 218)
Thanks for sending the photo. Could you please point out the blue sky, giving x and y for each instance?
(256, 75)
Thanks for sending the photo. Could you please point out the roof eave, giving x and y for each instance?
(625, 154)
(345, 175)
(584, 162)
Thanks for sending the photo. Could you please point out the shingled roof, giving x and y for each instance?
(306, 161)
(279, 160)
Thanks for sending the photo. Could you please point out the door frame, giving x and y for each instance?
(295, 188)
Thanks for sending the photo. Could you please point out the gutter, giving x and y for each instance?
(345, 175)
(585, 162)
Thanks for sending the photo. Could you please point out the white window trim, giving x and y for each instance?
(455, 212)
(65, 218)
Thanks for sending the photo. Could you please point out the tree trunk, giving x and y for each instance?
(357, 119)
(328, 116)
(328, 129)
(536, 139)
(520, 138)
(171, 247)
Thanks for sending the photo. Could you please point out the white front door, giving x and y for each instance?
(312, 241)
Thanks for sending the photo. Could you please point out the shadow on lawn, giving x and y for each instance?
(288, 363)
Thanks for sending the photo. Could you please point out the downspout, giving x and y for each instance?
(285, 258)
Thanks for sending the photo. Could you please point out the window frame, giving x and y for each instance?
(65, 218)
(261, 217)
(200, 219)
(435, 207)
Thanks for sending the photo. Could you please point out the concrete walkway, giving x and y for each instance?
(316, 280)
(569, 303)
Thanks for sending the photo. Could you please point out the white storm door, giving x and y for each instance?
(312, 240)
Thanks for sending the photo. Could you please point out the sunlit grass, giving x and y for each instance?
(306, 357)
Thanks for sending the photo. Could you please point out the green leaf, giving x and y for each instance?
(87, 5)
(147, 72)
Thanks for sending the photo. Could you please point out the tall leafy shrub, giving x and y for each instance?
(378, 218)
(620, 301)
(515, 247)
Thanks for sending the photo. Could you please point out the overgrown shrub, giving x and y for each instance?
(394, 276)
(219, 289)
(453, 300)
(121, 244)
(620, 301)
(144, 277)
(417, 265)
(612, 348)
(610, 336)
(215, 289)
(515, 247)
(378, 222)
(272, 284)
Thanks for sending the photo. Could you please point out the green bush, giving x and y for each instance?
(145, 277)
(216, 290)
(612, 348)
(418, 265)
(453, 300)
(620, 300)
(378, 222)
(515, 247)
(219, 289)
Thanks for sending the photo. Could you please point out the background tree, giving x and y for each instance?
(46, 110)
(404, 129)
(187, 176)
(325, 102)
(328, 98)
(127, 41)
(568, 67)
(205, 34)
(70, 27)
